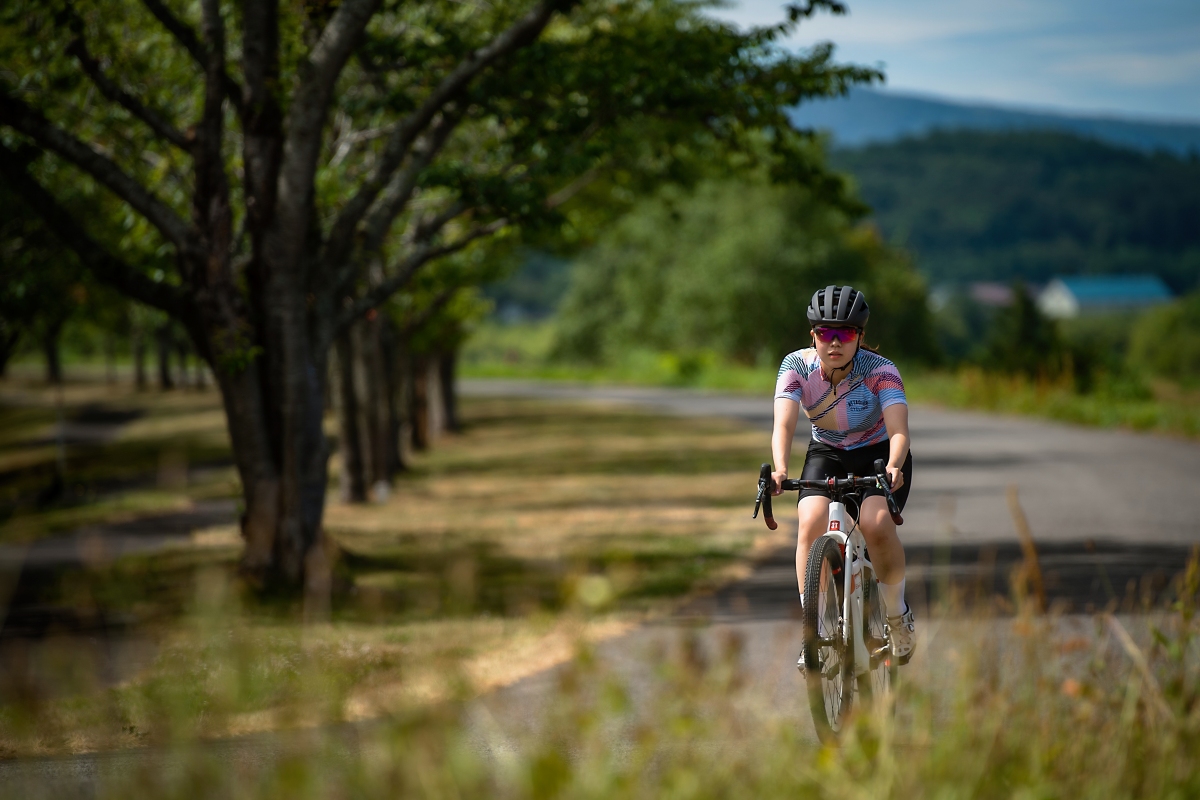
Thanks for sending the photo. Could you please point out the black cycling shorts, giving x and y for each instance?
(826, 461)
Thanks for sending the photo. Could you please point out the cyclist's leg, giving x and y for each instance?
(887, 557)
(883, 542)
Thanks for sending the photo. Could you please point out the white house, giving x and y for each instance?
(1064, 298)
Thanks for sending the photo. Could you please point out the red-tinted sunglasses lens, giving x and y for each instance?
(843, 335)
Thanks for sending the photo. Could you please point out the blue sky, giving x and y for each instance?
(1133, 58)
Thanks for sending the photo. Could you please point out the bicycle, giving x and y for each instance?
(846, 642)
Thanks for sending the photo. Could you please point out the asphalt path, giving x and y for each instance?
(1075, 484)
(1114, 515)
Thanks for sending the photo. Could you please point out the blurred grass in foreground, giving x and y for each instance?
(523, 351)
(1025, 707)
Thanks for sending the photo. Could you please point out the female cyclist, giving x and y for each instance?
(854, 399)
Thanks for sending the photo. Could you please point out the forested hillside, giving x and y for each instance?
(867, 115)
(972, 205)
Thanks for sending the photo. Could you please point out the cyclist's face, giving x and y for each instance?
(835, 353)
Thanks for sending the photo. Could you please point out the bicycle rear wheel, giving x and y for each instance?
(828, 660)
(880, 678)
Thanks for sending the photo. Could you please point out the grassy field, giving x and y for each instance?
(499, 551)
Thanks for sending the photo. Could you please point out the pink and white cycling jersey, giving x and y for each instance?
(853, 417)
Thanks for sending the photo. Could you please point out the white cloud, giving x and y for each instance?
(1108, 55)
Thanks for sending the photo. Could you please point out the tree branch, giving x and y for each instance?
(586, 179)
(310, 105)
(187, 37)
(404, 271)
(522, 32)
(157, 123)
(395, 197)
(21, 117)
(421, 232)
(422, 318)
(106, 267)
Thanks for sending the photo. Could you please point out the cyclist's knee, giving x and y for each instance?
(814, 515)
(875, 521)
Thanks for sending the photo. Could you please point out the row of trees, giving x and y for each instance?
(270, 176)
(728, 269)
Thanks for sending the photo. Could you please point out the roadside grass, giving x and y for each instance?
(523, 352)
(1170, 410)
(125, 454)
(1026, 708)
(537, 527)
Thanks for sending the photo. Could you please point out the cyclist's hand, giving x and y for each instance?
(895, 476)
(777, 479)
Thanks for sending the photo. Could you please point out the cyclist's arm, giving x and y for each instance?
(787, 412)
(895, 417)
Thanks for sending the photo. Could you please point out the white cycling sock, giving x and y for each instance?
(802, 599)
(893, 598)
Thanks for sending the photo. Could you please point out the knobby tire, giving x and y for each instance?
(830, 667)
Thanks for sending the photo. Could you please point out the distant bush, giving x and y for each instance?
(1166, 342)
(730, 269)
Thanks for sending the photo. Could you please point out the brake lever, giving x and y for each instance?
(885, 483)
(764, 497)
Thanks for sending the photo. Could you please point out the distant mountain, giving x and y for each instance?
(1003, 205)
(867, 116)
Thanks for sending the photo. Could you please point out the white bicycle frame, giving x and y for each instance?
(855, 548)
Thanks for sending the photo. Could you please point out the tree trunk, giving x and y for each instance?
(282, 523)
(418, 401)
(435, 416)
(139, 360)
(182, 351)
(352, 482)
(379, 450)
(110, 358)
(8, 346)
(447, 372)
(162, 338)
(51, 351)
(393, 375)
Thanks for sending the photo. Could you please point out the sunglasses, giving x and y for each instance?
(843, 335)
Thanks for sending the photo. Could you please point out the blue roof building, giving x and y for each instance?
(1064, 298)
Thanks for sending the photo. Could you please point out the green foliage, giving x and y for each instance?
(1022, 340)
(729, 269)
(1005, 206)
(1166, 341)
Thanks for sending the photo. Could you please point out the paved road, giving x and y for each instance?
(1075, 484)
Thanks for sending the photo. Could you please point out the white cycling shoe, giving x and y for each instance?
(902, 633)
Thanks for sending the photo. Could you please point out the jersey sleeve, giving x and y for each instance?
(885, 382)
(791, 378)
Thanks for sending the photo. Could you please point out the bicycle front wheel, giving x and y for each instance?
(829, 661)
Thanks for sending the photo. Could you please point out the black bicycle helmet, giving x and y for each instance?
(839, 305)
